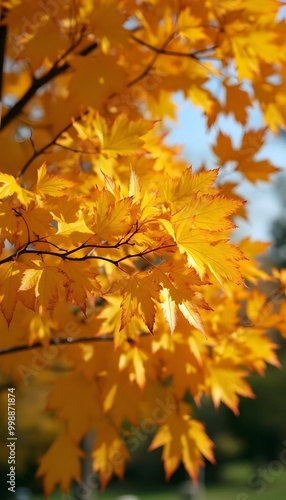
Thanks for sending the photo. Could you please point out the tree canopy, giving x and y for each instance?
(116, 261)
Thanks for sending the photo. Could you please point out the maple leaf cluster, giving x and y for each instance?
(113, 250)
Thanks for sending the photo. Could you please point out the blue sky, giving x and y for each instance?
(263, 204)
(190, 131)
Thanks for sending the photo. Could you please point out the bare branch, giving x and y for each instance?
(197, 54)
(66, 255)
(151, 64)
(65, 341)
(3, 34)
(43, 149)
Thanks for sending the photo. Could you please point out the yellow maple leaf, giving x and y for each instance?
(208, 212)
(137, 358)
(10, 281)
(228, 190)
(237, 102)
(46, 281)
(107, 22)
(139, 292)
(226, 382)
(107, 78)
(10, 186)
(250, 268)
(177, 295)
(187, 372)
(256, 359)
(134, 187)
(51, 185)
(109, 453)
(9, 223)
(38, 220)
(49, 36)
(112, 218)
(17, 364)
(190, 26)
(82, 280)
(125, 136)
(202, 253)
(257, 170)
(184, 439)
(76, 402)
(224, 149)
(60, 464)
(116, 404)
(190, 184)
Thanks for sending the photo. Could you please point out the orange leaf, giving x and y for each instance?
(237, 101)
(139, 293)
(76, 402)
(183, 439)
(60, 464)
(109, 453)
(226, 382)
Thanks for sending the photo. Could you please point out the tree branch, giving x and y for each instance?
(192, 55)
(3, 34)
(58, 342)
(38, 152)
(161, 50)
(151, 64)
(55, 71)
(66, 255)
(54, 140)
(66, 341)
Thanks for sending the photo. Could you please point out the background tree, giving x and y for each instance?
(108, 236)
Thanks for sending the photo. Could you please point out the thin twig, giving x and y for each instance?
(66, 255)
(152, 62)
(161, 50)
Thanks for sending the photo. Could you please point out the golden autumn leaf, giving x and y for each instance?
(33, 50)
(107, 78)
(208, 212)
(60, 464)
(116, 405)
(237, 102)
(10, 283)
(108, 234)
(111, 219)
(82, 279)
(125, 136)
(51, 185)
(187, 372)
(107, 21)
(224, 149)
(109, 453)
(190, 26)
(139, 293)
(203, 253)
(68, 395)
(226, 384)
(257, 170)
(177, 295)
(136, 357)
(244, 156)
(46, 281)
(183, 439)
(10, 186)
(190, 184)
